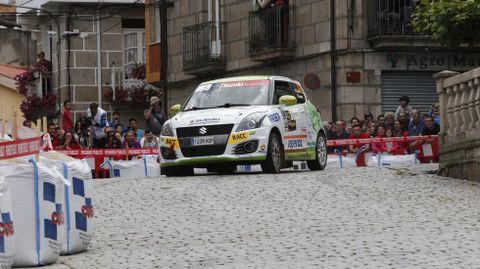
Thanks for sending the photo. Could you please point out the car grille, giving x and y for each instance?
(207, 130)
(198, 151)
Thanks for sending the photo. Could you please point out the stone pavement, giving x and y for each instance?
(338, 218)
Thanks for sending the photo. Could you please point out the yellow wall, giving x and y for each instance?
(10, 100)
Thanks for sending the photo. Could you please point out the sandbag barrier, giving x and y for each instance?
(101, 156)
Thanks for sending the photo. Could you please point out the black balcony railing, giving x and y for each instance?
(271, 29)
(200, 45)
(390, 17)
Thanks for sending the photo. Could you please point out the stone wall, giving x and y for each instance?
(460, 129)
(16, 48)
(312, 52)
(78, 69)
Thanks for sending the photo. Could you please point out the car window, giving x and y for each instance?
(298, 93)
(282, 88)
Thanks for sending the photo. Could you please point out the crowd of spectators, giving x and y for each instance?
(405, 121)
(94, 130)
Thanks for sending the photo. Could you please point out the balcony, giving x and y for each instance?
(203, 49)
(272, 34)
(390, 25)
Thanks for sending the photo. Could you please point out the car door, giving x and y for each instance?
(295, 136)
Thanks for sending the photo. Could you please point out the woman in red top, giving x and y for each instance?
(379, 147)
(402, 145)
(70, 142)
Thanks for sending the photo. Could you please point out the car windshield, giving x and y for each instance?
(227, 94)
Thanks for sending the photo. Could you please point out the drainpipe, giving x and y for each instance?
(209, 10)
(217, 26)
(333, 64)
(99, 60)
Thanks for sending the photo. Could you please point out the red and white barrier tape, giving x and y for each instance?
(346, 142)
(19, 148)
(96, 153)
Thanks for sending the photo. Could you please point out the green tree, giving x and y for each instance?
(451, 22)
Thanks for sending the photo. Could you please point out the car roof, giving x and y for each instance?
(246, 78)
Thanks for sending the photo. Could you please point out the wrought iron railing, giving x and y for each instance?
(272, 28)
(201, 46)
(390, 17)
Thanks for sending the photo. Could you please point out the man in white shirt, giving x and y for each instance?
(149, 141)
(98, 117)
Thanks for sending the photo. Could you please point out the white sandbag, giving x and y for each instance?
(151, 165)
(373, 160)
(78, 200)
(349, 161)
(398, 160)
(7, 231)
(37, 203)
(134, 168)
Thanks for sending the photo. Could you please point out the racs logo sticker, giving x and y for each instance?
(238, 137)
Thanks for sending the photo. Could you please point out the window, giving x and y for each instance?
(282, 88)
(133, 50)
(299, 93)
(154, 22)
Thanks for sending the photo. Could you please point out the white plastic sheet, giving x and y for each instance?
(79, 212)
(147, 166)
(7, 231)
(37, 204)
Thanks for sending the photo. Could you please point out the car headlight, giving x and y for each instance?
(166, 130)
(251, 121)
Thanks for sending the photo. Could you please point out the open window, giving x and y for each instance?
(299, 93)
(282, 88)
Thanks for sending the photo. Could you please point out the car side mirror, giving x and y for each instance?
(287, 100)
(175, 109)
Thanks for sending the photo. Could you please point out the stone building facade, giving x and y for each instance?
(377, 56)
(90, 47)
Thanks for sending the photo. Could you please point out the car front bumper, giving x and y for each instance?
(245, 147)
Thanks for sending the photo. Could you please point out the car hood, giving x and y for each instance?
(215, 116)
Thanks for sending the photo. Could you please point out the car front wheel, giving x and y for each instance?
(273, 163)
(320, 161)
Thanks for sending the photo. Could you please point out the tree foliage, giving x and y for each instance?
(451, 22)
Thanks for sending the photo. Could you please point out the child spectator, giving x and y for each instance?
(399, 132)
(67, 122)
(403, 107)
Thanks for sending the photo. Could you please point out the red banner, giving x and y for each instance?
(345, 142)
(96, 153)
(19, 148)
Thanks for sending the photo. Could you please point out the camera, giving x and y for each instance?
(86, 122)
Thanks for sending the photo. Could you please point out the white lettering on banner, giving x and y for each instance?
(22, 148)
(2, 151)
(11, 150)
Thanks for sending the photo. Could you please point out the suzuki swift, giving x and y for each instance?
(266, 120)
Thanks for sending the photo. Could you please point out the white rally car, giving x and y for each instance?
(265, 120)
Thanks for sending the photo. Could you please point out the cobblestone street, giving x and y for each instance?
(349, 218)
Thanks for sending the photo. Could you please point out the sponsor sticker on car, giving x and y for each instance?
(171, 142)
(274, 117)
(238, 137)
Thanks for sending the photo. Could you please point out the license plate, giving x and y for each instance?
(201, 141)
